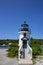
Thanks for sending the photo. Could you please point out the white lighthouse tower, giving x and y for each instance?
(25, 51)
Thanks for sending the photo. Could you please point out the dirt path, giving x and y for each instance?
(39, 61)
(5, 60)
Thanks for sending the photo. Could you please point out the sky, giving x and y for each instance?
(13, 13)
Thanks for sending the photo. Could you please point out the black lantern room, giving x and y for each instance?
(24, 27)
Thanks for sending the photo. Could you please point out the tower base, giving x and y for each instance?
(25, 62)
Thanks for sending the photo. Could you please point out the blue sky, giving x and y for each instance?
(14, 12)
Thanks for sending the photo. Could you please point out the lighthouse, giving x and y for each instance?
(25, 51)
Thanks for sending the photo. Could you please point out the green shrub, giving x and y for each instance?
(35, 44)
(13, 50)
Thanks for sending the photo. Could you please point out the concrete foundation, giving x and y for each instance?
(25, 62)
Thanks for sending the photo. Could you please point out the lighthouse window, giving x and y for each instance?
(24, 34)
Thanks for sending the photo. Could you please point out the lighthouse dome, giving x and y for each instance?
(24, 27)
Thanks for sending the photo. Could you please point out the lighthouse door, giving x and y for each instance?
(24, 47)
(25, 44)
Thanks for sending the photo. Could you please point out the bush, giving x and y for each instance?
(13, 50)
(35, 44)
